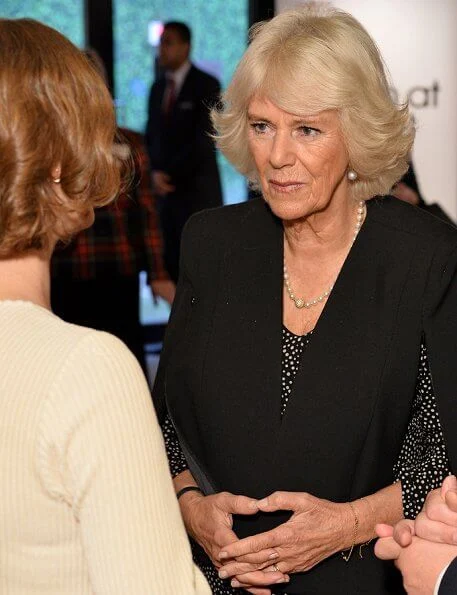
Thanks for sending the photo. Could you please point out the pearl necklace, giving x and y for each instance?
(301, 303)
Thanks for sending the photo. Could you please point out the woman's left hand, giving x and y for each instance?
(316, 530)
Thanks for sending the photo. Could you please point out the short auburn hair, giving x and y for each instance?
(55, 110)
(313, 59)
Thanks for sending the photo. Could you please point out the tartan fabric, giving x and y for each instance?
(125, 237)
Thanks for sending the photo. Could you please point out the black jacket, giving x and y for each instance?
(449, 582)
(220, 371)
(180, 144)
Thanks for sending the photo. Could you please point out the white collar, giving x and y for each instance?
(179, 75)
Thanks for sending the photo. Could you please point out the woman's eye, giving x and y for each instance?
(308, 131)
(259, 127)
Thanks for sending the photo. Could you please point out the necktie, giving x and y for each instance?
(171, 96)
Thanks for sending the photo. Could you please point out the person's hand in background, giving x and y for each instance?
(164, 289)
(161, 182)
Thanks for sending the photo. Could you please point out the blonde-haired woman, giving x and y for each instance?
(299, 345)
(87, 503)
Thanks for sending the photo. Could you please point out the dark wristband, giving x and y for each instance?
(187, 489)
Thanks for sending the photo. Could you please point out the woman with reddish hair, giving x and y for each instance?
(87, 503)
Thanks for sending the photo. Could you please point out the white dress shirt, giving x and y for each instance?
(178, 76)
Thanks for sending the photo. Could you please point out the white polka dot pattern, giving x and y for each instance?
(292, 348)
(423, 462)
(176, 459)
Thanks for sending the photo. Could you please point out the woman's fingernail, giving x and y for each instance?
(282, 580)
(223, 574)
(223, 555)
(234, 583)
(273, 556)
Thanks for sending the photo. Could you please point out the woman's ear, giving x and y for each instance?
(56, 173)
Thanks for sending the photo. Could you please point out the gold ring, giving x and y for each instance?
(275, 566)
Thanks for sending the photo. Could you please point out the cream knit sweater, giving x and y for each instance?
(86, 500)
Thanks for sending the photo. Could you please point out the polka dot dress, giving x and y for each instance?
(292, 348)
(421, 466)
(423, 462)
(176, 459)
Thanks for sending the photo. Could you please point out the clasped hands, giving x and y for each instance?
(422, 548)
(317, 529)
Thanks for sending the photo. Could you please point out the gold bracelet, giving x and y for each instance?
(347, 557)
(369, 506)
(362, 545)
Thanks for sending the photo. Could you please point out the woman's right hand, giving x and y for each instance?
(209, 520)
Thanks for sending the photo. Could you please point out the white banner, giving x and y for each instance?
(418, 41)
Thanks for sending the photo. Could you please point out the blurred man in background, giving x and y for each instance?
(182, 154)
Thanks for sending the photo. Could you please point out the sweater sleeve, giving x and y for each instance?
(100, 451)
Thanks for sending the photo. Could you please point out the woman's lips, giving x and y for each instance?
(286, 187)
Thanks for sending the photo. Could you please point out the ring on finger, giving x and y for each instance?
(275, 568)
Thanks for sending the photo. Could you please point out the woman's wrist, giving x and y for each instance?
(187, 504)
(368, 519)
(185, 489)
(350, 526)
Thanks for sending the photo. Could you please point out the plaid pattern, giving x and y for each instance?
(125, 237)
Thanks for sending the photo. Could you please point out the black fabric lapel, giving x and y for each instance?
(248, 317)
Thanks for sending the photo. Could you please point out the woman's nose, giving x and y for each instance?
(282, 150)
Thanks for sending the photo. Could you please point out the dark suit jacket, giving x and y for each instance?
(449, 582)
(180, 143)
(220, 371)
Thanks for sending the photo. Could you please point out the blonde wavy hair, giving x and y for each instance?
(312, 59)
(55, 110)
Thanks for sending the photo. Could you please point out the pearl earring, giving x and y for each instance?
(352, 175)
(56, 180)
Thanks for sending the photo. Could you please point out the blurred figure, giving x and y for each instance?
(105, 260)
(181, 152)
(407, 190)
(87, 502)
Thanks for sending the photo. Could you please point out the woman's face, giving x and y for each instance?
(301, 161)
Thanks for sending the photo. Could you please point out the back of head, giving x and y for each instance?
(316, 58)
(55, 110)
